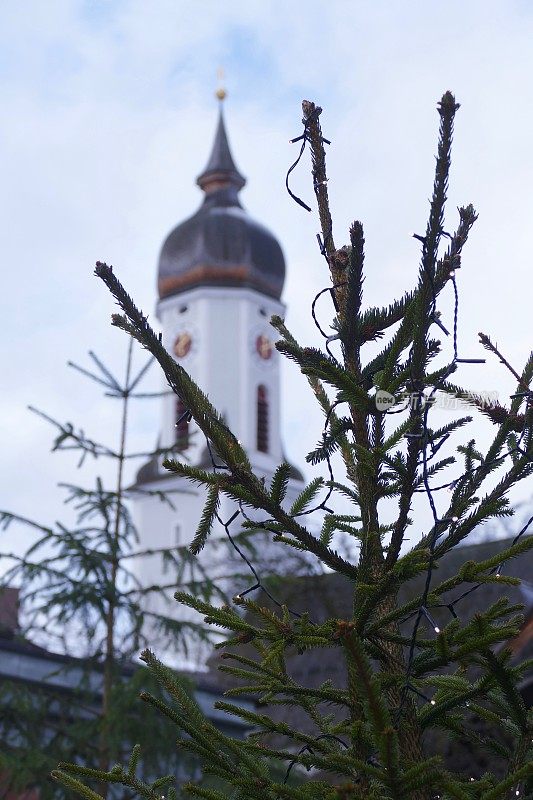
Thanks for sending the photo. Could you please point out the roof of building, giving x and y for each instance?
(152, 471)
(331, 595)
(221, 245)
(24, 662)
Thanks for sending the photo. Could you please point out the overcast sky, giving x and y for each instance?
(109, 114)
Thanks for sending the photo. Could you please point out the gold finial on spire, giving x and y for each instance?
(221, 93)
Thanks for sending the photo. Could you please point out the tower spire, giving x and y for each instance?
(220, 171)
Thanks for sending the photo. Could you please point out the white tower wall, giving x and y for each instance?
(224, 325)
(219, 274)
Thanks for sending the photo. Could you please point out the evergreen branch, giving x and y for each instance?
(492, 348)
(365, 689)
(323, 400)
(373, 709)
(456, 789)
(116, 775)
(509, 782)
(80, 441)
(377, 320)
(200, 728)
(330, 760)
(422, 309)
(493, 410)
(493, 504)
(405, 310)
(206, 521)
(77, 786)
(306, 497)
(273, 688)
(204, 793)
(313, 361)
(134, 759)
(222, 617)
(209, 421)
(503, 675)
(199, 477)
(330, 442)
(354, 291)
(205, 416)
(280, 483)
(311, 114)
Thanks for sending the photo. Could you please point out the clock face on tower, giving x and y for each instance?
(182, 345)
(263, 347)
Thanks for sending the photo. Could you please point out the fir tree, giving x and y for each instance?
(406, 674)
(80, 596)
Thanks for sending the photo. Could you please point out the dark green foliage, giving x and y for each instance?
(305, 499)
(280, 482)
(40, 726)
(206, 520)
(354, 279)
(78, 589)
(364, 735)
(331, 441)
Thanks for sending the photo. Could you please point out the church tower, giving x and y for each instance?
(220, 279)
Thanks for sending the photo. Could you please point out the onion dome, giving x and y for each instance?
(221, 245)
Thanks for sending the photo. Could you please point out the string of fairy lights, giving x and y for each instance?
(423, 404)
(420, 404)
(428, 450)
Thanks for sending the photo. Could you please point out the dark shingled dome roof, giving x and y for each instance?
(151, 471)
(221, 245)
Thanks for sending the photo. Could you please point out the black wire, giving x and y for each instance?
(309, 749)
(436, 520)
(423, 434)
(494, 570)
(422, 611)
(292, 167)
(304, 138)
(226, 525)
(331, 290)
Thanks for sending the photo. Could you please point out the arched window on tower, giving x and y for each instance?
(262, 419)
(182, 425)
